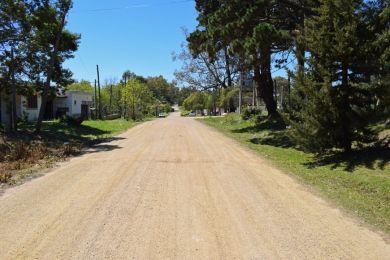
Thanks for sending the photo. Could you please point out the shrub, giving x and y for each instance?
(72, 121)
(184, 112)
(19, 151)
(250, 112)
(232, 118)
(5, 173)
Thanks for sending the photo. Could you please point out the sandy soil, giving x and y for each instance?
(174, 188)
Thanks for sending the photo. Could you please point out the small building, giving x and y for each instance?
(27, 108)
(73, 103)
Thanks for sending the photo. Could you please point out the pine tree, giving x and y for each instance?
(337, 97)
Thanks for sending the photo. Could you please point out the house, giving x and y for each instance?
(27, 108)
(73, 103)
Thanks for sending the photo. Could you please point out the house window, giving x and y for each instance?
(32, 102)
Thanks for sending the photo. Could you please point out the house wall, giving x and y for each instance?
(77, 99)
(32, 114)
(63, 102)
(73, 102)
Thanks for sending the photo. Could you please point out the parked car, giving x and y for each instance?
(192, 114)
(161, 115)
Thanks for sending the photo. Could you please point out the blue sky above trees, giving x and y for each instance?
(125, 34)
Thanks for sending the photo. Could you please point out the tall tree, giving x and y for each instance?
(253, 30)
(51, 45)
(137, 98)
(338, 97)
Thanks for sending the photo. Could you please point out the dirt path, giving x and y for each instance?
(174, 188)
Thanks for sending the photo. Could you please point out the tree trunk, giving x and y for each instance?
(345, 109)
(46, 88)
(228, 71)
(264, 82)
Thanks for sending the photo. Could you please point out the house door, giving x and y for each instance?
(84, 111)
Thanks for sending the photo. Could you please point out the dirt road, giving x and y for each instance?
(174, 188)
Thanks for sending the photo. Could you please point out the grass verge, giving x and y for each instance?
(359, 181)
(25, 153)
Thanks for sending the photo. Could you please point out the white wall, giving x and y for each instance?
(32, 113)
(77, 100)
(69, 102)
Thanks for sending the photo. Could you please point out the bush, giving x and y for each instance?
(185, 113)
(167, 108)
(19, 151)
(250, 112)
(72, 121)
(232, 118)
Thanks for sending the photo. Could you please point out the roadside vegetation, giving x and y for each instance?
(359, 181)
(34, 44)
(311, 80)
(23, 153)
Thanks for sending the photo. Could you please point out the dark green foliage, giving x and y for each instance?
(250, 112)
(334, 102)
(72, 121)
(248, 30)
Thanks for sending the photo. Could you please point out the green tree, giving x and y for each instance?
(196, 101)
(49, 46)
(83, 85)
(335, 101)
(137, 99)
(252, 30)
(162, 89)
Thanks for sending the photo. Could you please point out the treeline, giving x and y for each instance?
(133, 97)
(34, 44)
(341, 48)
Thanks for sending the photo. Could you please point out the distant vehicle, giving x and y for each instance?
(192, 114)
(161, 115)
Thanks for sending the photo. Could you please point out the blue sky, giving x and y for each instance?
(128, 34)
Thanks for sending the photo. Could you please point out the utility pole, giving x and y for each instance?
(289, 89)
(124, 109)
(100, 100)
(110, 99)
(96, 102)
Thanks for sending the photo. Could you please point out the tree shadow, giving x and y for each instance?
(55, 133)
(371, 158)
(263, 125)
(98, 148)
(277, 139)
(275, 133)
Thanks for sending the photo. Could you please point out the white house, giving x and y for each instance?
(27, 108)
(73, 103)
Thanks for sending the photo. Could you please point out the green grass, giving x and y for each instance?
(359, 181)
(89, 131)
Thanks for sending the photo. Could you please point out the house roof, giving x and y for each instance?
(67, 93)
